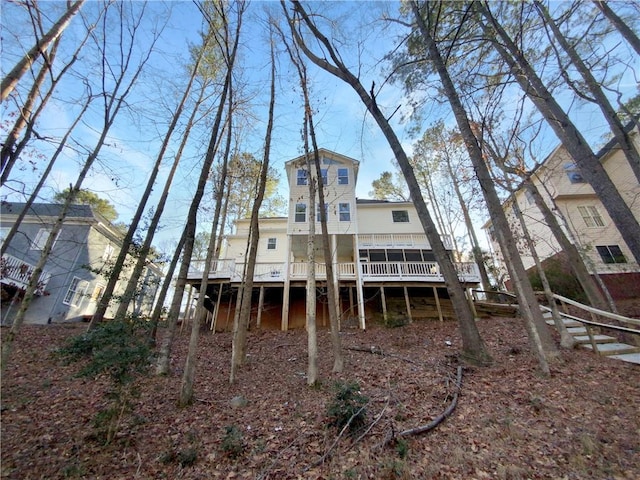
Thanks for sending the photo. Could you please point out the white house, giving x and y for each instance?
(382, 261)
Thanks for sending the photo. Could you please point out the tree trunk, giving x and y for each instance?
(589, 165)
(132, 282)
(10, 81)
(473, 348)
(624, 29)
(163, 363)
(239, 344)
(539, 335)
(609, 113)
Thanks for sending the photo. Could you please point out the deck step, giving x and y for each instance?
(581, 339)
(567, 323)
(577, 330)
(627, 357)
(613, 348)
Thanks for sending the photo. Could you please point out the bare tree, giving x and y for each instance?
(597, 94)
(473, 347)
(239, 345)
(12, 78)
(113, 102)
(426, 18)
(624, 29)
(127, 241)
(228, 43)
(589, 165)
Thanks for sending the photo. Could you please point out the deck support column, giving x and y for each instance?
(216, 309)
(435, 294)
(359, 288)
(406, 300)
(284, 323)
(384, 304)
(260, 305)
(336, 276)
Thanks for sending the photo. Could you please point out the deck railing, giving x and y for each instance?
(400, 240)
(14, 271)
(369, 271)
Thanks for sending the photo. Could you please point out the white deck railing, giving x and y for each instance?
(369, 271)
(14, 271)
(399, 240)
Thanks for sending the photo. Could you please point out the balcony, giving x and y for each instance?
(392, 240)
(369, 271)
(17, 273)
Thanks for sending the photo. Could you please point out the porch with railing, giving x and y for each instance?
(400, 240)
(16, 272)
(369, 271)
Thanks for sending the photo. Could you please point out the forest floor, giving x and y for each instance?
(583, 422)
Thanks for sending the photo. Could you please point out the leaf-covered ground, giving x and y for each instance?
(510, 423)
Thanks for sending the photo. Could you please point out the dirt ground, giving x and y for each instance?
(510, 422)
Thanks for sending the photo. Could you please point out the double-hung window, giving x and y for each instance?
(76, 291)
(343, 176)
(325, 175)
(591, 216)
(41, 239)
(302, 177)
(271, 243)
(326, 213)
(611, 254)
(344, 212)
(301, 212)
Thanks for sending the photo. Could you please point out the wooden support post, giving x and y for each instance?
(472, 305)
(351, 311)
(216, 310)
(359, 287)
(406, 300)
(284, 322)
(384, 304)
(260, 306)
(435, 294)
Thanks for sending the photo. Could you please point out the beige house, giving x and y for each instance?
(382, 261)
(583, 217)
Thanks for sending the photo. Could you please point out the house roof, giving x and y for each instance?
(46, 209)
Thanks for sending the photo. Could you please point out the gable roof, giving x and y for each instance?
(47, 210)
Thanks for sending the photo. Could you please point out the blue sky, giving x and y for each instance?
(122, 170)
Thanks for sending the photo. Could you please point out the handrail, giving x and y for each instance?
(595, 324)
(597, 311)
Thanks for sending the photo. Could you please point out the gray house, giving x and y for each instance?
(75, 274)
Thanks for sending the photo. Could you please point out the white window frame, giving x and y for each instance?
(591, 216)
(573, 173)
(301, 209)
(302, 177)
(404, 219)
(42, 236)
(272, 243)
(98, 290)
(616, 258)
(77, 290)
(325, 175)
(343, 176)
(326, 211)
(108, 252)
(344, 212)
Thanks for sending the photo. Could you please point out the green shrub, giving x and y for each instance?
(119, 350)
(233, 441)
(348, 407)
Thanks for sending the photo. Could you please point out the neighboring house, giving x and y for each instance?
(72, 280)
(583, 216)
(382, 261)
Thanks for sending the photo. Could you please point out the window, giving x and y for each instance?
(301, 212)
(302, 177)
(326, 213)
(591, 216)
(41, 239)
(343, 176)
(75, 293)
(325, 176)
(611, 254)
(573, 173)
(271, 244)
(97, 292)
(345, 212)
(108, 252)
(529, 196)
(400, 216)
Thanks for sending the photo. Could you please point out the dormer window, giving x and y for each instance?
(343, 176)
(302, 177)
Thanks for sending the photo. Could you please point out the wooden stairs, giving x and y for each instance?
(585, 337)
